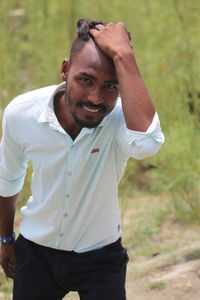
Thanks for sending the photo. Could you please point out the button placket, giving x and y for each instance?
(68, 178)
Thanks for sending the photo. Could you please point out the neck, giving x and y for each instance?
(64, 116)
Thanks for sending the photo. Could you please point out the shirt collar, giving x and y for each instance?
(48, 114)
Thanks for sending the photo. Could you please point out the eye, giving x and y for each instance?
(112, 86)
(85, 80)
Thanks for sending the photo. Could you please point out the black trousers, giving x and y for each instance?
(44, 273)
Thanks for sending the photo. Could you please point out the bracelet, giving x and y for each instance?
(7, 239)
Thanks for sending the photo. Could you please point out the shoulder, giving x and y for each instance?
(29, 103)
(31, 97)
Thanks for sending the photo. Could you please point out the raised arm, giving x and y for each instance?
(136, 102)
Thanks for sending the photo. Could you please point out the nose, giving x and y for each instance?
(95, 96)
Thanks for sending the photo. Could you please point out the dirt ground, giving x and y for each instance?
(178, 281)
(173, 274)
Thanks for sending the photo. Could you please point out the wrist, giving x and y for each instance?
(7, 239)
(123, 54)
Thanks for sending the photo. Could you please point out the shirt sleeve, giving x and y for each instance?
(140, 145)
(13, 163)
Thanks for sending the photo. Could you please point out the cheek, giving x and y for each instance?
(111, 99)
(75, 92)
(110, 105)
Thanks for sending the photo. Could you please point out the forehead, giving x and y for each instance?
(91, 59)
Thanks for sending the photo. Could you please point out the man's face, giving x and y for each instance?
(92, 86)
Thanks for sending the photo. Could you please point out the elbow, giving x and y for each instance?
(145, 150)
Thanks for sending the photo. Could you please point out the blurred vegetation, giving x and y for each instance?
(36, 36)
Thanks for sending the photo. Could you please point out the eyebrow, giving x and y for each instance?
(87, 75)
(92, 77)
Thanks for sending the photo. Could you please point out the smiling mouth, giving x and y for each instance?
(91, 109)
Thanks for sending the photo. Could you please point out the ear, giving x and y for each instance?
(64, 69)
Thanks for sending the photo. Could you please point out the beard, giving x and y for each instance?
(89, 121)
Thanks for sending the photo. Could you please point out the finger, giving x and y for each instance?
(99, 26)
(94, 32)
(8, 267)
(11, 271)
(11, 266)
(8, 272)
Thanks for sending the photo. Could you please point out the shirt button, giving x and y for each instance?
(65, 215)
(67, 196)
(61, 234)
(69, 173)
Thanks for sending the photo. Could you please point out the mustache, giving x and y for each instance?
(92, 105)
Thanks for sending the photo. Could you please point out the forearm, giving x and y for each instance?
(136, 102)
(7, 214)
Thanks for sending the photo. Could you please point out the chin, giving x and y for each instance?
(87, 123)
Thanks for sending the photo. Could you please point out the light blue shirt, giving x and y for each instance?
(74, 202)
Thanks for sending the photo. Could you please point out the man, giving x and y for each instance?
(78, 137)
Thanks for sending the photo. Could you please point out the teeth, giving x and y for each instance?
(90, 109)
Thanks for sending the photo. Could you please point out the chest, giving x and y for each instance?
(52, 150)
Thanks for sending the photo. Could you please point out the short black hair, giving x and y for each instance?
(84, 26)
(83, 34)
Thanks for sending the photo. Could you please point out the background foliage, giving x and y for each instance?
(36, 35)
